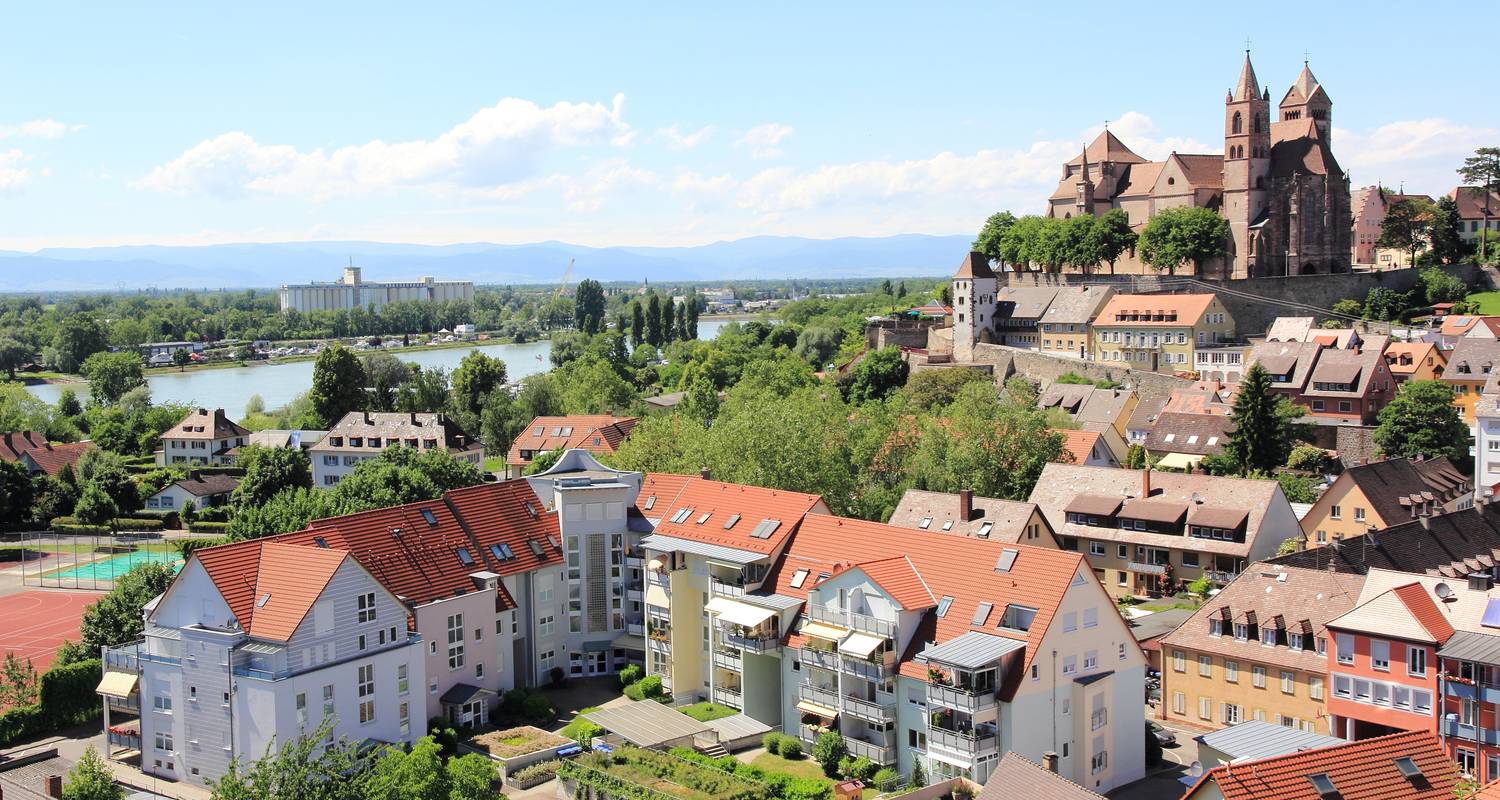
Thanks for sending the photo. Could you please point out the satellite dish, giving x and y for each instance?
(1195, 770)
(1443, 590)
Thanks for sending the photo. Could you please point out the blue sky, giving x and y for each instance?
(657, 123)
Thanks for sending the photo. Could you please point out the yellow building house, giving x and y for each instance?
(1257, 650)
(1469, 366)
(1415, 361)
(1384, 493)
(1159, 332)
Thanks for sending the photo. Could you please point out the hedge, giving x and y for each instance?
(67, 696)
(208, 527)
(80, 530)
(121, 524)
(187, 546)
(530, 776)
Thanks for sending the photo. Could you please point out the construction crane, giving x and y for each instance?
(562, 287)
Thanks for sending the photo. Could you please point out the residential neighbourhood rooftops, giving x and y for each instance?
(38, 454)
(1449, 545)
(1194, 434)
(726, 514)
(1076, 305)
(1403, 612)
(1255, 739)
(1406, 358)
(1397, 488)
(208, 485)
(418, 428)
(1017, 777)
(200, 423)
(1078, 445)
(1472, 202)
(597, 433)
(1364, 770)
(1024, 302)
(988, 517)
(1290, 329)
(1472, 360)
(270, 586)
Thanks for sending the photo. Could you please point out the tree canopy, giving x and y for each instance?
(1422, 421)
(1265, 427)
(1177, 236)
(338, 384)
(111, 375)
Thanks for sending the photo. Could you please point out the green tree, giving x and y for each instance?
(78, 337)
(1422, 421)
(18, 685)
(180, 359)
(1135, 457)
(384, 375)
(1298, 488)
(111, 375)
(543, 461)
(1386, 304)
(1483, 171)
(107, 472)
(701, 403)
(1348, 307)
(269, 471)
(1115, 238)
(90, 779)
(426, 391)
(476, 376)
(992, 236)
(817, 345)
(995, 449)
(498, 422)
(588, 306)
(338, 385)
(1264, 424)
(1177, 236)
(306, 768)
(13, 354)
(94, 506)
(1083, 246)
(828, 749)
(668, 331)
(17, 492)
(936, 388)
(472, 777)
(653, 322)
(416, 775)
(1406, 226)
(693, 303)
(540, 396)
(1444, 237)
(1442, 286)
(877, 375)
(68, 405)
(637, 324)
(115, 618)
(590, 385)
(1307, 458)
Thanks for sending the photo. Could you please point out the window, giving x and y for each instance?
(1294, 641)
(405, 717)
(1096, 548)
(1288, 682)
(545, 625)
(1070, 621)
(1416, 661)
(1206, 666)
(1017, 617)
(1215, 626)
(1258, 676)
(366, 684)
(1231, 671)
(161, 703)
(455, 641)
(1231, 714)
(1123, 551)
(1335, 512)
(1421, 701)
(1315, 687)
(301, 709)
(1241, 631)
(1205, 708)
(1091, 618)
(1359, 513)
(1380, 655)
(1179, 661)
(164, 741)
(1345, 645)
(366, 607)
(1070, 665)
(328, 700)
(1190, 558)
(798, 578)
(1179, 703)
(1091, 660)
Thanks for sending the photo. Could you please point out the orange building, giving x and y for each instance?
(1415, 361)
(1383, 667)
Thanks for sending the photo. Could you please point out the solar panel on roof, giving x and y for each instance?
(729, 523)
(1491, 618)
(765, 528)
(982, 613)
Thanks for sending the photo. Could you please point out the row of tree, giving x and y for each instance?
(1173, 238)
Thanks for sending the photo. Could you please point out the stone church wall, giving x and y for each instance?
(1044, 368)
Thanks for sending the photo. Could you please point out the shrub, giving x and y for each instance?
(218, 528)
(631, 674)
(1200, 586)
(539, 709)
(187, 546)
(651, 686)
(828, 751)
(791, 748)
(442, 732)
(66, 696)
(534, 774)
(69, 525)
(886, 779)
(582, 731)
(772, 743)
(633, 691)
(806, 789)
(862, 768)
(1307, 457)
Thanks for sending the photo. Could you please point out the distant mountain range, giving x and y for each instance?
(271, 265)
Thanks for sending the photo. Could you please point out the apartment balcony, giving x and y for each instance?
(963, 744)
(635, 628)
(729, 697)
(733, 662)
(126, 657)
(131, 704)
(870, 711)
(635, 594)
(852, 620)
(635, 558)
(881, 754)
(813, 657)
(827, 698)
(1469, 691)
(1146, 569)
(761, 644)
(876, 670)
(961, 698)
(123, 737)
(1468, 733)
(722, 588)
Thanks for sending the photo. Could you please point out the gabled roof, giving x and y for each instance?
(1364, 770)
(1449, 545)
(1140, 179)
(1077, 305)
(1006, 519)
(1473, 359)
(1396, 487)
(1106, 147)
(1358, 366)
(1290, 329)
(1024, 302)
(701, 509)
(1415, 352)
(1189, 308)
(1404, 612)
(47, 457)
(1193, 434)
(1295, 360)
(1259, 739)
(207, 485)
(269, 586)
(899, 579)
(200, 423)
(596, 433)
(1472, 200)
(1301, 149)
(1078, 445)
(1014, 776)
(1202, 171)
(975, 265)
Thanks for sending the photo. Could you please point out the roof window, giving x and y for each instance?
(943, 606)
(924, 523)
(984, 530)
(428, 515)
(1018, 618)
(1408, 768)
(465, 556)
(531, 509)
(702, 518)
(536, 547)
(947, 524)
(650, 501)
(502, 552)
(537, 432)
(265, 598)
(1324, 785)
(320, 541)
(982, 613)
(568, 431)
(1007, 559)
(766, 527)
(682, 514)
(729, 523)
(798, 578)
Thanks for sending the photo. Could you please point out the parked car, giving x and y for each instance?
(1164, 737)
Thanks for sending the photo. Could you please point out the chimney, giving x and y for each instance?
(414, 419)
(54, 786)
(965, 504)
(1049, 760)
(367, 418)
(1146, 482)
(704, 473)
(1481, 581)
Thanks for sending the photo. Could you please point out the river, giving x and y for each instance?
(277, 384)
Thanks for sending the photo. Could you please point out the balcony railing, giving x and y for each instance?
(871, 670)
(960, 698)
(968, 744)
(1148, 569)
(827, 698)
(870, 710)
(851, 619)
(1220, 575)
(729, 661)
(879, 753)
(723, 588)
(130, 740)
(729, 697)
(131, 703)
(813, 657)
(1458, 730)
(635, 594)
(752, 644)
(1098, 719)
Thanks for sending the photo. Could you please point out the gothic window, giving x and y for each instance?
(1260, 182)
(1258, 122)
(1238, 125)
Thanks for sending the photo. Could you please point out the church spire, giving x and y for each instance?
(1247, 88)
(1305, 83)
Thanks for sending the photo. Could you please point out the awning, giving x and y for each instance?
(859, 645)
(656, 565)
(118, 684)
(463, 693)
(657, 596)
(263, 648)
(809, 707)
(738, 613)
(823, 631)
(1178, 461)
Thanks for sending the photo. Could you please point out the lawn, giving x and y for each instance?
(803, 767)
(494, 464)
(705, 711)
(1489, 302)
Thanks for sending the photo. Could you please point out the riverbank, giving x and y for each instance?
(271, 362)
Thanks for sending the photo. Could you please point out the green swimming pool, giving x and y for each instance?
(107, 569)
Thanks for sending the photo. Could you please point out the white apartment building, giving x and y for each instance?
(258, 643)
(352, 291)
(1486, 446)
(202, 437)
(362, 435)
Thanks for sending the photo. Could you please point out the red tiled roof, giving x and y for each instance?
(1077, 445)
(901, 581)
(1426, 612)
(269, 586)
(1359, 771)
(975, 265)
(719, 502)
(596, 433)
(200, 423)
(49, 458)
(1188, 307)
(508, 513)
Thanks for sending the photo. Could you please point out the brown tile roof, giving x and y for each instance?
(596, 433)
(1202, 171)
(1107, 147)
(1471, 202)
(1416, 353)
(200, 423)
(1007, 518)
(1069, 397)
(1303, 150)
(1403, 612)
(1304, 599)
(1458, 324)
(1024, 302)
(1449, 545)
(1397, 486)
(1016, 777)
(1145, 414)
(1361, 366)
(269, 586)
(208, 485)
(701, 508)
(1292, 359)
(394, 425)
(1192, 434)
(975, 265)
(1364, 770)
(1140, 179)
(1189, 308)
(48, 457)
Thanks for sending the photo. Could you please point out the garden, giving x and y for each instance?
(520, 741)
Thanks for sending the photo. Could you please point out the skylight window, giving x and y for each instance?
(537, 432)
(1193, 439)
(682, 514)
(1408, 768)
(765, 528)
(531, 509)
(428, 515)
(320, 541)
(502, 552)
(536, 547)
(1213, 440)
(798, 578)
(568, 431)
(1018, 618)
(943, 606)
(265, 598)
(947, 524)
(1169, 437)
(1006, 560)
(650, 501)
(1323, 784)
(702, 518)
(984, 530)
(924, 523)
(729, 523)
(465, 556)
(982, 613)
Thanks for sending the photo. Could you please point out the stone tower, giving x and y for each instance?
(974, 289)
(1307, 100)
(1247, 165)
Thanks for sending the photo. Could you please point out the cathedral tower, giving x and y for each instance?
(1307, 100)
(1247, 165)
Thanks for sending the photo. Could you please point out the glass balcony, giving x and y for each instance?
(961, 698)
(126, 657)
(870, 710)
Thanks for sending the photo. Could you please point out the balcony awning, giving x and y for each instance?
(263, 648)
(118, 684)
(971, 650)
(859, 645)
(823, 631)
(809, 707)
(657, 596)
(656, 565)
(1178, 461)
(738, 613)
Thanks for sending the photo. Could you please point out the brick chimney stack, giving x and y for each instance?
(1146, 482)
(1049, 760)
(965, 504)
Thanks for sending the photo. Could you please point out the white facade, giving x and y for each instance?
(362, 435)
(974, 307)
(1486, 447)
(353, 292)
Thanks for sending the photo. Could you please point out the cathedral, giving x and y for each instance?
(1277, 183)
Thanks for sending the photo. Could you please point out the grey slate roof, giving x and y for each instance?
(1077, 305)
(1161, 623)
(971, 650)
(1255, 739)
(1451, 545)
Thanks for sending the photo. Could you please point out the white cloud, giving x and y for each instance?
(676, 139)
(12, 174)
(589, 192)
(762, 140)
(1423, 153)
(497, 146)
(38, 129)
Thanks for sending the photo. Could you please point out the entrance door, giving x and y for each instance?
(598, 663)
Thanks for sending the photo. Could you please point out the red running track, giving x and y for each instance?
(33, 624)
